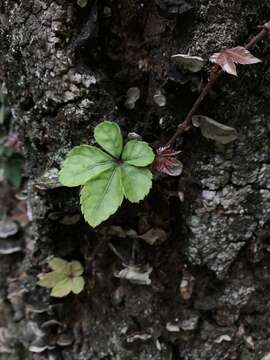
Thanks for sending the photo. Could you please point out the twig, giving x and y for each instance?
(214, 77)
(96, 250)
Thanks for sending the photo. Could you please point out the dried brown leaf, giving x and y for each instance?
(190, 63)
(135, 274)
(214, 130)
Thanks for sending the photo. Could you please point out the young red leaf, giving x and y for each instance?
(166, 162)
(229, 57)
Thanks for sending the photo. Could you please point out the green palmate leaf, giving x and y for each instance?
(107, 176)
(64, 279)
(108, 136)
(136, 182)
(76, 268)
(58, 265)
(77, 284)
(62, 288)
(138, 153)
(51, 279)
(101, 196)
(83, 163)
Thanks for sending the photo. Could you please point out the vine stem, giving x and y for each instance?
(96, 250)
(215, 74)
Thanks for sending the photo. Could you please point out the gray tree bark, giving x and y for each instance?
(65, 70)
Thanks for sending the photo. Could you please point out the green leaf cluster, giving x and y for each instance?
(65, 277)
(108, 175)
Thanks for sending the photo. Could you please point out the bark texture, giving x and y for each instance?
(66, 69)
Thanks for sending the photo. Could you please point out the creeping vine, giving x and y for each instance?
(215, 74)
(115, 171)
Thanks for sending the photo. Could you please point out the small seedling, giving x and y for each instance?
(108, 175)
(65, 277)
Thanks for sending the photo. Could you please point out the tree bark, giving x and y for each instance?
(65, 70)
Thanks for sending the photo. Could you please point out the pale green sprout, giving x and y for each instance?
(108, 175)
(65, 277)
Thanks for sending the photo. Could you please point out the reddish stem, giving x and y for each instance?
(214, 76)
